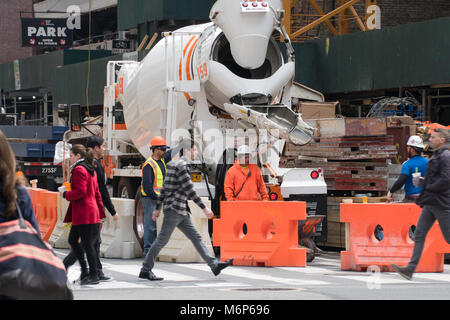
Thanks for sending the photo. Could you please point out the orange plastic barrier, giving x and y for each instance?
(434, 126)
(35, 199)
(45, 206)
(269, 237)
(396, 246)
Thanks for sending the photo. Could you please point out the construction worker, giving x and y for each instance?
(153, 174)
(415, 164)
(434, 200)
(243, 180)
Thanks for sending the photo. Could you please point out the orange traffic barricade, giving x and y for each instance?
(260, 233)
(35, 194)
(396, 220)
(45, 206)
(48, 215)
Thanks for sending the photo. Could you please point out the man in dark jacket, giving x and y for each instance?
(97, 144)
(434, 199)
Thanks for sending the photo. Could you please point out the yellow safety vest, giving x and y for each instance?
(158, 176)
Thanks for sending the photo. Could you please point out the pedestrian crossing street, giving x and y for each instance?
(322, 272)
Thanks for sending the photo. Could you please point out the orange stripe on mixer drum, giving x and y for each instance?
(180, 67)
(188, 61)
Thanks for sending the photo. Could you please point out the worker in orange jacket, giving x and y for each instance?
(243, 180)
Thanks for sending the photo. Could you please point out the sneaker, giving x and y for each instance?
(403, 271)
(220, 266)
(90, 280)
(149, 276)
(84, 275)
(102, 277)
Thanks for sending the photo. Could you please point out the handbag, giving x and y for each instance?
(29, 269)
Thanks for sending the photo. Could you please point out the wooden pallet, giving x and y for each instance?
(369, 176)
(356, 184)
(349, 163)
(344, 127)
(345, 148)
(354, 168)
(336, 201)
(336, 237)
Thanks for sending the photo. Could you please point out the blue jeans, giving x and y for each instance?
(148, 206)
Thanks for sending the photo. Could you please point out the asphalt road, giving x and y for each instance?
(322, 279)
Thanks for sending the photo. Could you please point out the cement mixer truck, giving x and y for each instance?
(222, 83)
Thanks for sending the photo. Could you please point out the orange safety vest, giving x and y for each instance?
(158, 176)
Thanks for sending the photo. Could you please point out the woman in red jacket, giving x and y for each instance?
(85, 211)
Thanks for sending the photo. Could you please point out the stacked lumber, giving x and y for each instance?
(402, 121)
(348, 127)
(336, 236)
(356, 176)
(317, 110)
(353, 154)
(353, 160)
(350, 165)
(346, 148)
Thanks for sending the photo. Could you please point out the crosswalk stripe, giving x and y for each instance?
(432, 276)
(134, 270)
(309, 270)
(240, 276)
(377, 278)
(243, 273)
(112, 285)
(167, 275)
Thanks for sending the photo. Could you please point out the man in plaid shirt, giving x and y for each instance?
(176, 191)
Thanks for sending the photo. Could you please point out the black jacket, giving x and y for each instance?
(436, 188)
(106, 199)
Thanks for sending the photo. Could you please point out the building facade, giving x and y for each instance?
(11, 29)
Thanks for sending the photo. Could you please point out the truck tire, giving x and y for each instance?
(309, 244)
(138, 220)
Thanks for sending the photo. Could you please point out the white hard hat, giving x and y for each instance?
(416, 142)
(244, 149)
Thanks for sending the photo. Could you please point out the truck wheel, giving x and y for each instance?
(309, 245)
(138, 220)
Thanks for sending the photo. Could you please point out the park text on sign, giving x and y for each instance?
(46, 33)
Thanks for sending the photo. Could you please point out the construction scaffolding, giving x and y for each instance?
(311, 19)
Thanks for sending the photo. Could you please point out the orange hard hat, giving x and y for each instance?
(158, 141)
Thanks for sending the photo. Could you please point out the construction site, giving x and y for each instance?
(326, 95)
